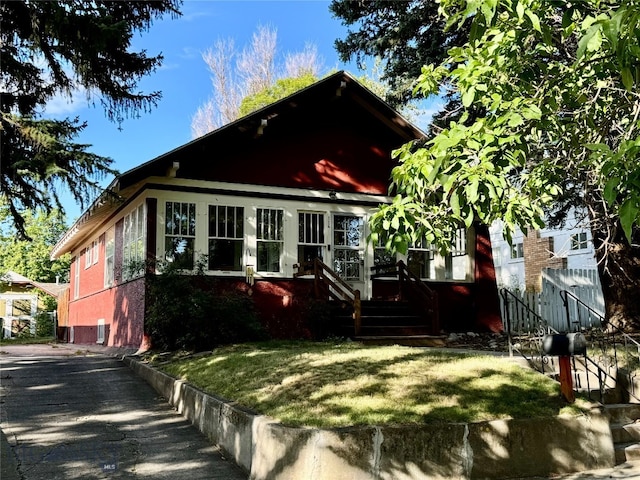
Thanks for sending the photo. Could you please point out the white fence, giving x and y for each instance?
(584, 284)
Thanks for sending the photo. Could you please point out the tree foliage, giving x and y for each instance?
(279, 90)
(52, 49)
(405, 35)
(239, 79)
(550, 121)
(32, 258)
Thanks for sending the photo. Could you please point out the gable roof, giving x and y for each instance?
(313, 98)
(53, 289)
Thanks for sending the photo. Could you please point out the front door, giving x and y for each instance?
(348, 249)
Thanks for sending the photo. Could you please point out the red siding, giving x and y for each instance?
(122, 309)
(339, 150)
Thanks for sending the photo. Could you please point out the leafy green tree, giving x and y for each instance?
(32, 258)
(549, 92)
(405, 35)
(279, 90)
(54, 48)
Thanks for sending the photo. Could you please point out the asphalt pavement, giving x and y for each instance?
(71, 413)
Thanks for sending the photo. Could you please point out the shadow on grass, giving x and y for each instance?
(333, 386)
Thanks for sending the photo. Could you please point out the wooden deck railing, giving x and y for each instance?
(417, 293)
(328, 285)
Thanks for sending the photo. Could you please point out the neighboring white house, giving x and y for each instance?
(520, 265)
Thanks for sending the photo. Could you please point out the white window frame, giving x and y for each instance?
(349, 248)
(76, 278)
(100, 332)
(87, 256)
(442, 267)
(133, 242)
(109, 257)
(96, 252)
(579, 241)
(186, 231)
(270, 234)
(312, 227)
(516, 251)
(238, 223)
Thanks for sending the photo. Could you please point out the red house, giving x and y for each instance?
(261, 197)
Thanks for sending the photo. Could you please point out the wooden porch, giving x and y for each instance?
(409, 318)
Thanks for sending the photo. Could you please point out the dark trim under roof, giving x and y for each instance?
(338, 84)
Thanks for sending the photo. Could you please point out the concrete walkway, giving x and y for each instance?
(70, 413)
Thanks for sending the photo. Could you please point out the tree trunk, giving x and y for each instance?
(619, 271)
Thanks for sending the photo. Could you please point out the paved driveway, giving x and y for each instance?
(68, 414)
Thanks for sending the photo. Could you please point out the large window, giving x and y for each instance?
(133, 251)
(310, 236)
(109, 262)
(226, 234)
(270, 239)
(425, 262)
(348, 235)
(180, 234)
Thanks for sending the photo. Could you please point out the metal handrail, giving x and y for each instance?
(604, 339)
(527, 322)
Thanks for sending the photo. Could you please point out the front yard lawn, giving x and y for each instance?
(341, 384)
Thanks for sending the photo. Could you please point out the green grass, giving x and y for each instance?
(343, 384)
(27, 340)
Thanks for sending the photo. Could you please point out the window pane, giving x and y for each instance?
(348, 230)
(180, 250)
(192, 220)
(176, 219)
(420, 263)
(307, 253)
(213, 225)
(225, 255)
(269, 256)
(222, 218)
(239, 222)
(169, 225)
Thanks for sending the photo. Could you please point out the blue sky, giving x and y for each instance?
(184, 79)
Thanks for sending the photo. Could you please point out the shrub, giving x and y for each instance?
(44, 325)
(186, 311)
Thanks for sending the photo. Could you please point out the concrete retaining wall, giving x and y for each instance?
(493, 450)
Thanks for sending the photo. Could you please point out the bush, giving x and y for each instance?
(186, 312)
(44, 325)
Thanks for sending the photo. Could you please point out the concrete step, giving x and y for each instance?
(406, 340)
(625, 433)
(627, 452)
(622, 413)
(394, 330)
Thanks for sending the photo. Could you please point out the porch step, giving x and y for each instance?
(624, 421)
(406, 340)
(392, 320)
